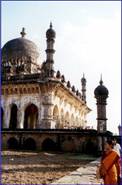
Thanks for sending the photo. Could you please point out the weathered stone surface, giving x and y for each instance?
(83, 175)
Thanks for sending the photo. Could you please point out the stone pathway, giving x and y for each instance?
(84, 175)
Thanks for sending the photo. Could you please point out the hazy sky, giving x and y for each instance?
(88, 39)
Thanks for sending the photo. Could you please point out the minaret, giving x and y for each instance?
(50, 35)
(101, 94)
(83, 84)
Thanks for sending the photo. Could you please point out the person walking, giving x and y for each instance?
(117, 146)
(109, 169)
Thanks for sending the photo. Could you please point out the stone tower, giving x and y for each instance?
(83, 84)
(50, 35)
(101, 94)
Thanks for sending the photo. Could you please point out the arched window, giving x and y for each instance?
(13, 117)
(31, 117)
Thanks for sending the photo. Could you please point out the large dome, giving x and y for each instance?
(19, 56)
(18, 48)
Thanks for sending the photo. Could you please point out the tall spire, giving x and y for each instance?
(50, 35)
(23, 33)
(51, 26)
(101, 81)
(83, 84)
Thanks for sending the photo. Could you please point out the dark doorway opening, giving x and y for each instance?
(49, 145)
(13, 117)
(31, 117)
(13, 143)
(91, 148)
(29, 144)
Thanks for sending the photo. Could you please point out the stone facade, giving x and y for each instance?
(40, 109)
(56, 106)
(38, 98)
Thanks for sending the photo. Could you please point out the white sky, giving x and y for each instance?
(88, 39)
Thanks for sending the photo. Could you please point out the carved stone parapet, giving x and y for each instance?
(20, 89)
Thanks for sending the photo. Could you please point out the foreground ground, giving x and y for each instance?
(39, 167)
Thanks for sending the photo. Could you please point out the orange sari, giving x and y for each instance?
(112, 168)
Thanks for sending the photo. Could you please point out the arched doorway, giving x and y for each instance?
(49, 145)
(56, 116)
(13, 117)
(13, 143)
(29, 144)
(31, 117)
(2, 121)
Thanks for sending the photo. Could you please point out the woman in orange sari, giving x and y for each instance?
(110, 166)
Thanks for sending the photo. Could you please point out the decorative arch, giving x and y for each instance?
(13, 117)
(55, 112)
(30, 116)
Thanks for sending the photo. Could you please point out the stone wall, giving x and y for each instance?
(58, 140)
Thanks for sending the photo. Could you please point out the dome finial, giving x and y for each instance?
(51, 26)
(23, 32)
(101, 81)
